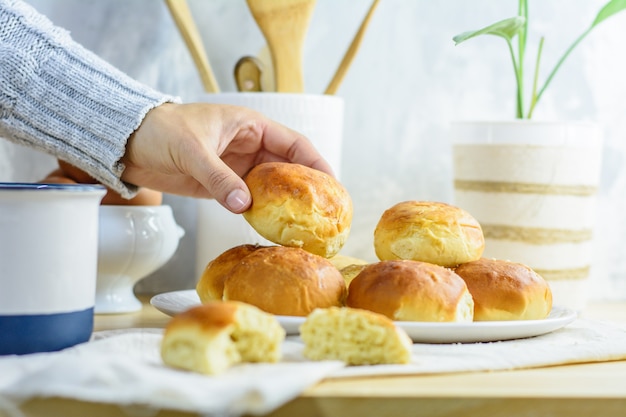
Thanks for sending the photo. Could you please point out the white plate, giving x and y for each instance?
(172, 303)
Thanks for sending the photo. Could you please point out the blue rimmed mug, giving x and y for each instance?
(48, 265)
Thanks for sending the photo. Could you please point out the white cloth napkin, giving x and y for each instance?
(581, 341)
(124, 367)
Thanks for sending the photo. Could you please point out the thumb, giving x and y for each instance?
(226, 186)
(237, 199)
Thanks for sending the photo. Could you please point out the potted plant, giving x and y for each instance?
(532, 185)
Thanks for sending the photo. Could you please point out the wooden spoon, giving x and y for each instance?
(248, 72)
(351, 52)
(284, 24)
(179, 9)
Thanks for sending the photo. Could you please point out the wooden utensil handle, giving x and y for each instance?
(179, 9)
(333, 86)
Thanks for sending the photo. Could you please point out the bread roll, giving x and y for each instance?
(504, 290)
(68, 174)
(212, 337)
(411, 291)
(429, 232)
(56, 177)
(285, 281)
(357, 337)
(297, 206)
(144, 197)
(210, 286)
(350, 272)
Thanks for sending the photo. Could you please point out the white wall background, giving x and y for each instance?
(406, 85)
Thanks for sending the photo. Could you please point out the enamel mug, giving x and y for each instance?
(48, 265)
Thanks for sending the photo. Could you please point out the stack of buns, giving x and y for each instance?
(430, 268)
(442, 275)
(417, 242)
(308, 214)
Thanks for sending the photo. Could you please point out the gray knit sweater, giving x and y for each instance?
(58, 97)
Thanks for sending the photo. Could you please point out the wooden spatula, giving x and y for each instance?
(284, 24)
(179, 9)
(333, 86)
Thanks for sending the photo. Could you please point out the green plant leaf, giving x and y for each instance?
(609, 9)
(506, 29)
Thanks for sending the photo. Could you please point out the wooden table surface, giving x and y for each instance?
(595, 389)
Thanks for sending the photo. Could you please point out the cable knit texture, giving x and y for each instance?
(58, 97)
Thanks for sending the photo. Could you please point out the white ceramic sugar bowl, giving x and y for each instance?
(134, 241)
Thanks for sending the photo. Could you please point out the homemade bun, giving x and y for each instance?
(357, 337)
(504, 290)
(411, 291)
(285, 281)
(57, 177)
(350, 272)
(431, 232)
(294, 205)
(144, 197)
(212, 337)
(210, 286)
(69, 174)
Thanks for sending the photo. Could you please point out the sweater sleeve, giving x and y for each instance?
(58, 97)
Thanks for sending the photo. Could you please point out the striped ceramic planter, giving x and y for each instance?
(532, 186)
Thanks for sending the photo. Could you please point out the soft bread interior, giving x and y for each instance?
(211, 338)
(355, 336)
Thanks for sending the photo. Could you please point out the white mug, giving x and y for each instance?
(48, 264)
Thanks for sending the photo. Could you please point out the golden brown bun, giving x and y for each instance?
(504, 290)
(427, 231)
(74, 173)
(144, 197)
(212, 337)
(210, 286)
(357, 337)
(57, 177)
(285, 281)
(298, 206)
(411, 291)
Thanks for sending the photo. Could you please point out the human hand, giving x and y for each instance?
(203, 150)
